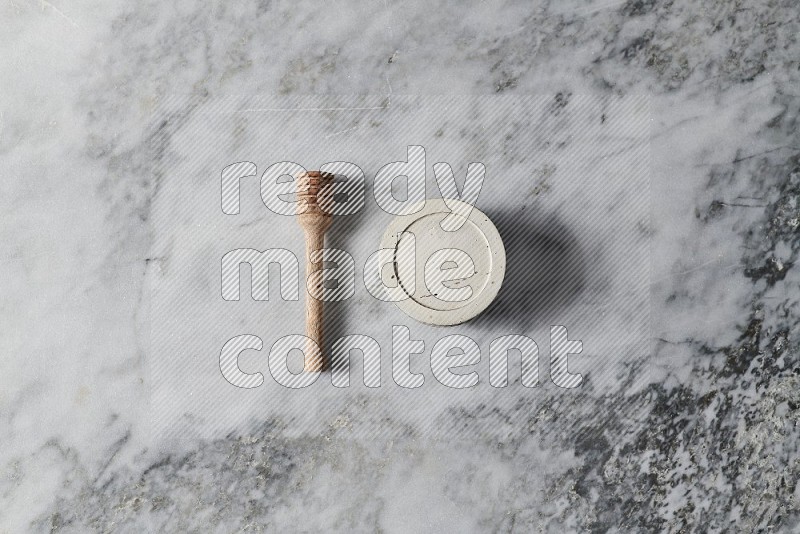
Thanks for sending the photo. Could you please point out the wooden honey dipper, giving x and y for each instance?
(313, 189)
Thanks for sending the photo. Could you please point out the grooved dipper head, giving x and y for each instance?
(314, 191)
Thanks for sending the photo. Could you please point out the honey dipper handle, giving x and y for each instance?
(314, 362)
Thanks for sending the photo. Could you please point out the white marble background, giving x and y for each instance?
(714, 446)
(567, 181)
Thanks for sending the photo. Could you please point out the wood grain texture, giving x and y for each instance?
(312, 191)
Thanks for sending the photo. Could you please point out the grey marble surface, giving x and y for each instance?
(699, 433)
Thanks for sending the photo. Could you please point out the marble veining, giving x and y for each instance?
(704, 438)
